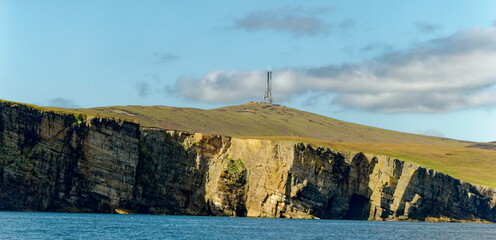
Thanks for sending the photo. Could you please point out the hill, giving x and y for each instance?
(258, 119)
(469, 161)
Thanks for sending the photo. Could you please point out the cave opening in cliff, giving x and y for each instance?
(358, 208)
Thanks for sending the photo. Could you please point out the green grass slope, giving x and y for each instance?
(469, 161)
(256, 119)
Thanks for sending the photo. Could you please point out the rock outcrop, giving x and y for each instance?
(64, 162)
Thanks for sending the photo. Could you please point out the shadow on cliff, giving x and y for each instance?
(38, 166)
(169, 178)
(174, 169)
(334, 187)
(432, 194)
(49, 161)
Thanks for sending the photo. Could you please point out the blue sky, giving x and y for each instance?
(424, 67)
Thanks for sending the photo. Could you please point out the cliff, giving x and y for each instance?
(64, 162)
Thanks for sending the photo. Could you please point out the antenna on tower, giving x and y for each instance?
(268, 90)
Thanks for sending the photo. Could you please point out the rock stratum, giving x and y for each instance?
(53, 161)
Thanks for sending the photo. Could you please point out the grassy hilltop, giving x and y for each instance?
(258, 119)
(469, 161)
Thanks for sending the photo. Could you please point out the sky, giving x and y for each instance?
(425, 67)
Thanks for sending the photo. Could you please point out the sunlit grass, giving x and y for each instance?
(255, 119)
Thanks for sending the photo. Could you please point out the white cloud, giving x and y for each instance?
(445, 74)
(143, 88)
(427, 27)
(148, 84)
(377, 46)
(430, 132)
(296, 20)
(62, 103)
(164, 58)
(222, 86)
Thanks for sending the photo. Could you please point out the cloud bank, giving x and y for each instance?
(444, 74)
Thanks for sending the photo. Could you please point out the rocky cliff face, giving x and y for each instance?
(60, 162)
(63, 162)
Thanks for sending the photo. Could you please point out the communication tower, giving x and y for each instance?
(268, 90)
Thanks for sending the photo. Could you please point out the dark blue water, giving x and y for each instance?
(28, 225)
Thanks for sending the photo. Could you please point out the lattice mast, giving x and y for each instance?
(268, 90)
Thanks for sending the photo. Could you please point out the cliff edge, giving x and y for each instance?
(53, 161)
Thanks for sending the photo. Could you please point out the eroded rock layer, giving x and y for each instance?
(63, 162)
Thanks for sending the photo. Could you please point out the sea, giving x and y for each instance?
(43, 225)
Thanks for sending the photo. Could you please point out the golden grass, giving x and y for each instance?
(255, 119)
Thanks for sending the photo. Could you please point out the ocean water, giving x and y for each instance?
(38, 225)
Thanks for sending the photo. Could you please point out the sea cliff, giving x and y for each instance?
(55, 161)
